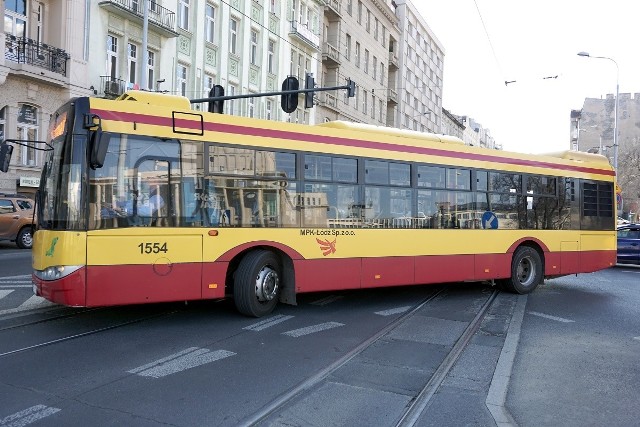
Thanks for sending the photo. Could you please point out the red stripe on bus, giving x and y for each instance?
(104, 285)
(321, 139)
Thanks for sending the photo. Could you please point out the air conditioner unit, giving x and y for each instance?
(112, 88)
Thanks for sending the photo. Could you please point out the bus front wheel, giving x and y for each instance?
(526, 271)
(256, 285)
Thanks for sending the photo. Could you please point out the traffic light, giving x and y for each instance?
(216, 106)
(310, 83)
(351, 89)
(289, 101)
(5, 156)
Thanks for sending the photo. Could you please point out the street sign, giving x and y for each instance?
(489, 220)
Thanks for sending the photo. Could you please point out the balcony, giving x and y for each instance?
(332, 9)
(393, 60)
(330, 55)
(305, 35)
(161, 20)
(329, 100)
(392, 96)
(111, 87)
(26, 51)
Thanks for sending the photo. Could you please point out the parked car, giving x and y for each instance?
(629, 244)
(622, 221)
(16, 219)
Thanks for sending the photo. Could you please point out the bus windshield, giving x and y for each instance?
(61, 189)
(133, 187)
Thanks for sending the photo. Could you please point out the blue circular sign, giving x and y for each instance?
(489, 220)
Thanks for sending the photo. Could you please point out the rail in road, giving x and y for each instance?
(396, 366)
(278, 411)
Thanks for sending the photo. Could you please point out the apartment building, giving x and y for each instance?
(117, 45)
(421, 62)
(44, 64)
(360, 42)
(247, 47)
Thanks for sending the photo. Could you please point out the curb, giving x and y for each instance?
(497, 395)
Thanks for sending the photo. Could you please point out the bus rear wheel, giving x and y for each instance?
(526, 271)
(256, 285)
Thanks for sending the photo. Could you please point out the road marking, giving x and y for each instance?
(181, 361)
(15, 284)
(547, 316)
(5, 293)
(393, 311)
(267, 323)
(327, 300)
(28, 416)
(22, 276)
(636, 338)
(34, 301)
(312, 329)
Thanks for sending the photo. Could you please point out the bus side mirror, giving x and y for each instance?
(98, 144)
(5, 156)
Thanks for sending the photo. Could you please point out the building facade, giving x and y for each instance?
(44, 64)
(421, 57)
(359, 41)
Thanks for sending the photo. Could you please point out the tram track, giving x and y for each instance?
(80, 334)
(50, 319)
(417, 403)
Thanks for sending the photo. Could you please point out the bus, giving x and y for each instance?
(261, 211)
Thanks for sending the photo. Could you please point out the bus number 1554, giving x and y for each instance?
(153, 248)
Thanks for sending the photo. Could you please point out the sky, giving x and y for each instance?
(524, 42)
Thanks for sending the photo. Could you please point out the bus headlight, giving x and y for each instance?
(56, 272)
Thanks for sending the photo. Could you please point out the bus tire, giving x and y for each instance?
(256, 283)
(24, 239)
(526, 271)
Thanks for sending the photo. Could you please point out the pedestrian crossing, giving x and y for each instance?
(16, 295)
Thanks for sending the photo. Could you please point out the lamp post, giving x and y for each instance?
(615, 108)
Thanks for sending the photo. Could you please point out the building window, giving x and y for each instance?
(183, 14)
(132, 53)
(252, 106)
(253, 54)
(112, 57)
(232, 103)
(365, 102)
(368, 23)
(181, 80)
(375, 68)
(233, 35)
(269, 109)
(270, 56)
(373, 106)
(2, 122)
(366, 61)
(272, 6)
(151, 71)
(210, 23)
(208, 85)
(359, 12)
(357, 54)
(348, 52)
(15, 17)
(27, 130)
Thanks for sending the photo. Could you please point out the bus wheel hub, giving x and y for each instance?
(266, 284)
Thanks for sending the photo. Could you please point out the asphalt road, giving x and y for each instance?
(565, 355)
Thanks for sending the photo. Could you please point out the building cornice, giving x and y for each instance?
(386, 11)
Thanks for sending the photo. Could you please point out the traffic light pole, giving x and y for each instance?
(350, 87)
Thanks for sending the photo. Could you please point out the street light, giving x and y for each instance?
(615, 108)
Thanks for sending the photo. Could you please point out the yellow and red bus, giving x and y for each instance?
(262, 210)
